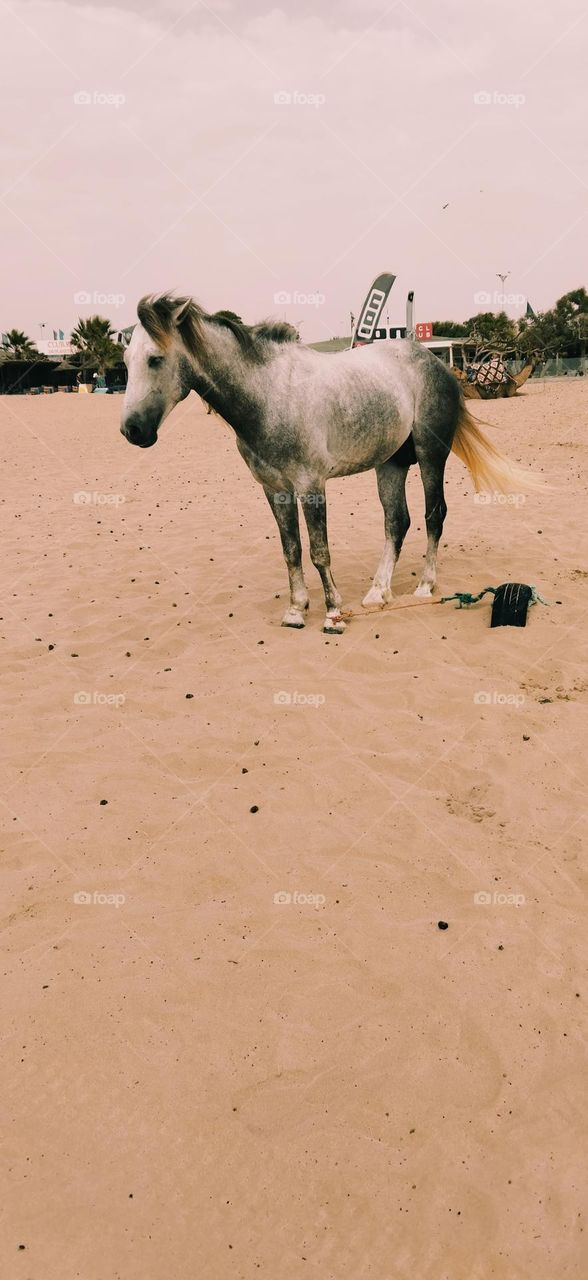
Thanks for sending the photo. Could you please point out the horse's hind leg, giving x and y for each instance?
(391, 483)
(432, 471)
(314, 505)
(285, 509)
(437, 412)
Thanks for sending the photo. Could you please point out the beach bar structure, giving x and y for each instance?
(29, 377)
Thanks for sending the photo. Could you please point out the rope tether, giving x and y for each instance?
(464, 599)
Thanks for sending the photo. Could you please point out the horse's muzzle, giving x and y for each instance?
(136, 432)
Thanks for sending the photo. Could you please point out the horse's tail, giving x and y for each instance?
(489, 468)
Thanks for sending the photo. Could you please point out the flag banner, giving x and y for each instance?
(529, 313)
(372, 309)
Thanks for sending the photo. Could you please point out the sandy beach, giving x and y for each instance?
(236, 1042)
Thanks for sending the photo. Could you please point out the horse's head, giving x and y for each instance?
(177, 347)
(159, 369)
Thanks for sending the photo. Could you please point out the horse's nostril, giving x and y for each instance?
(131, 432)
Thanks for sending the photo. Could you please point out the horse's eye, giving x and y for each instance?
(154, 362)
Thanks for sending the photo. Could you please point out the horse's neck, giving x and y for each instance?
(230, 384)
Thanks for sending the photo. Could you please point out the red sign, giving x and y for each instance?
(424, 332)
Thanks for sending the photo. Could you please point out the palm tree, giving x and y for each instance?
(17, 346)
(92, 338)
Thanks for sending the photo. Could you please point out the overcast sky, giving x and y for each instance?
(183, 170)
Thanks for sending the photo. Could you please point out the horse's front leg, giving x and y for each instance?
(285, 508)
(314, 505)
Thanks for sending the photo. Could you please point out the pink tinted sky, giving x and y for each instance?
(183, 170)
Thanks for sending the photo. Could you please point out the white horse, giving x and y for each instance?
(302, 417)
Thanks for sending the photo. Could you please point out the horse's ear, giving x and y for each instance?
(180, 312)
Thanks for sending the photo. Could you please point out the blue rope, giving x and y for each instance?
(464, 598)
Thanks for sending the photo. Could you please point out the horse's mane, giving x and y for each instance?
(160, 314)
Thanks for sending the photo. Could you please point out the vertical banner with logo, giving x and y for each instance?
(372, 309)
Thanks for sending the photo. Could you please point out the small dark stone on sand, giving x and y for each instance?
(50, 646)
(442, 924)
(189, 695)
(500, 947)
(22, 1246)
(244, 770)
(254, 808)
(526, 737)
(104, 802)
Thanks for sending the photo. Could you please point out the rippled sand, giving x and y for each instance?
(204, 1079)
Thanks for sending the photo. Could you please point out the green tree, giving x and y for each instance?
(92, 339)
(449, 329)
(494, 331)
(561, 331)
(18, 347)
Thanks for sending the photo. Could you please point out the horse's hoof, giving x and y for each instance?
(334, 625)
(294, 618)
(376, 598)
(424, 590)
